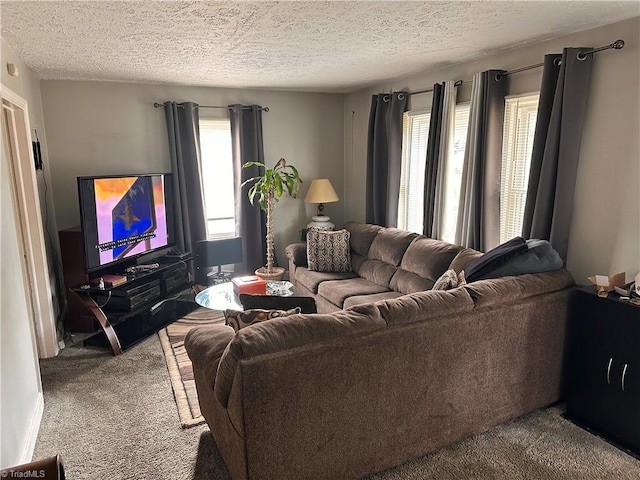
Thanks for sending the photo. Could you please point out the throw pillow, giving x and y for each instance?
(447, 281)
(328, 251)
(240, 319)
(461, 278)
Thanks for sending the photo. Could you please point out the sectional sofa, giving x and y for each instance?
(383, 373)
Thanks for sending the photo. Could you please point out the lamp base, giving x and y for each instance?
(321, 222)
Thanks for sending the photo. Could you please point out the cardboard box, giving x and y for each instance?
(249, 284)
(606, 284)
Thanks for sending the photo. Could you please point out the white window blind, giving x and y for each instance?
(519, 128)
(453, 174)
(415, 134)
(217, 177)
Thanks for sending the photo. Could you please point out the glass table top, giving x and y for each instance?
(222, 297)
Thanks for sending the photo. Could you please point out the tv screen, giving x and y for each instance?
(124, 217)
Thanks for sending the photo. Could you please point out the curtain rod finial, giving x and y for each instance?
(618, 44)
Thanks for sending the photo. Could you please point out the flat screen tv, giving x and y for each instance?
(124, 216)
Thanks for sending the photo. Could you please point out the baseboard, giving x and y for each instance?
(32, 431)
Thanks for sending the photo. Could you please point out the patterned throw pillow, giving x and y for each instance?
(329, 251)
(239, 319)
(447, 281)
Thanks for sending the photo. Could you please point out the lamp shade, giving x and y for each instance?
(321, 191)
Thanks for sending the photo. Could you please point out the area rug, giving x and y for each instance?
(179, 364)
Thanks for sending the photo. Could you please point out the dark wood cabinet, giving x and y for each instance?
(604, 366)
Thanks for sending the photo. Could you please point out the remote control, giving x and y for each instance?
(151, 266)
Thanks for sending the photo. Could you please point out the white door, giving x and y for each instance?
(16, 139)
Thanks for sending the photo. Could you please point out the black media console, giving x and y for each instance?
(145, 303)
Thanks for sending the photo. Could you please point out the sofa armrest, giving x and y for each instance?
(297, 253)
(205, 345)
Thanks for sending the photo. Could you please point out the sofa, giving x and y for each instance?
(386, 263)
(382, 373)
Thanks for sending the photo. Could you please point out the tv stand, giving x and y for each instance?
(102, 318)
(137, 308)
(121, 316)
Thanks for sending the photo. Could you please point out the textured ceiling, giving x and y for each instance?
(316, 46)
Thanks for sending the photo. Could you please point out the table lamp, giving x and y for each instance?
(321, 191)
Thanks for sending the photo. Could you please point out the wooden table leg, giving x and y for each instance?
(104, 322)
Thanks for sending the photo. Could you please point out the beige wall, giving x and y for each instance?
(109, 128)
(27, 85)
(605, 229)
(20, 388)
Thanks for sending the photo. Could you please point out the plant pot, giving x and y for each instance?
(277, 274)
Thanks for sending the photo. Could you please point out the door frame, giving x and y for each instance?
(15, 114)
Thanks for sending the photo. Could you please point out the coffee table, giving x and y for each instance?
(222, 297)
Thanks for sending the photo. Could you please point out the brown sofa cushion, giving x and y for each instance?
(463, 259)
(291, 332)
(409, 282)
(337, 291)
(429, 258)
(423, 263)
(297, 252)
(206, 345)
(390, 245)
(310, 280)
(385, 255)
(374, 297)
(512, 289)
(362, 234)
(425, 305)
(377, 271)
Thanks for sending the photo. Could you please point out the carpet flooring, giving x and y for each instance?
(115, 418)
(179, 363)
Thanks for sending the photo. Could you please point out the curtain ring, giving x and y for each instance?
(385, 98)
(581, 56)
(401, 96)
(557, 61)
(498, 77)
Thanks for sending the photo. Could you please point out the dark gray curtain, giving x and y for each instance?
(556, 148)
(184, 149)
(432, 161)
(246, 140)
(384, 158)
(478, 223)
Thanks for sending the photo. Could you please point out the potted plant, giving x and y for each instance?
(267, 190)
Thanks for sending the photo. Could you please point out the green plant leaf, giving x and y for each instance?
(251, 164)
(278, 184)
(253, 179)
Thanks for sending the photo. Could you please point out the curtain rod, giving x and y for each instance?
(158, 105)
(457, 84)
(581, 55)
(617, 45)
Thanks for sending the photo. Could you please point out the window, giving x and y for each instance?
(414, 150)
(517, 145)
(453, 173)
(415, 133)
(217, 178)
